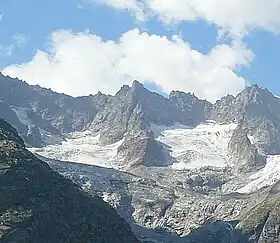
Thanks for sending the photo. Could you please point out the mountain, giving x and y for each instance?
(45, 116)
(176, 168)
(39, 205)
(52, 113)
(257, 111)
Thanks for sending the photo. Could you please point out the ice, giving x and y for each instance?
(267, 176)
(204, 145)
(82, 147)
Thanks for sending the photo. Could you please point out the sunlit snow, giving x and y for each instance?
(204, 145)
(82, 147)
(267, 176)
(191, 148)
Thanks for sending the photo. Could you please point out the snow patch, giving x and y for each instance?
(202, 146)
(158, 129)
(84, 148)
(267, 176)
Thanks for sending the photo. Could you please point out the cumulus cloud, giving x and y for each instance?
(135, 7)
(236, 17)
(83, 63)
(18, 41)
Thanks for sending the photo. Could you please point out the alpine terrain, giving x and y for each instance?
(176, 168)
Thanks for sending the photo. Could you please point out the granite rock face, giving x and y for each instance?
(243, 152)
(39, 205)
(49, 111)
(256, 110)
(192, 110)
(130, 114)
(262, 223)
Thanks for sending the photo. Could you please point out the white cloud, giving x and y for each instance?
(134, 6)
(20, 40)
(6, 51)
(82, 63)
(236, 17)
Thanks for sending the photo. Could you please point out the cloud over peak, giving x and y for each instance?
(83, 63)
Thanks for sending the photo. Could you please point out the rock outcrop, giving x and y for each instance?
(256, 110)
(39, 205)
(50, 111)
(262, 223)
(243, 153)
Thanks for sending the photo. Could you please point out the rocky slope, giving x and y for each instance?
(130, 114)
(262, 223)
(245, 154)
(257, 111)
(52, 113)
(39, 205)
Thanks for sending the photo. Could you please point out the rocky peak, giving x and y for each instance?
(255, 109)
(225, 101)
(183, 100)
(179, 94)
(137, 87)
(51, 112)
(254, 94)
(191, 110)
(123, 91)
(232, 109)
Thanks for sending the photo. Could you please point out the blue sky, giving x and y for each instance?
(26, 26)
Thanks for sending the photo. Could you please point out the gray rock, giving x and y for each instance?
(256, 110)
(50, 111)
(192, 110)
(37, 204)
(244, 154)
(10, 116)
(33, 136)
(262, 223)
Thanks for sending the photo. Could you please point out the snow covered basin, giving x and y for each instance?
(82, 147)
(204, 145)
